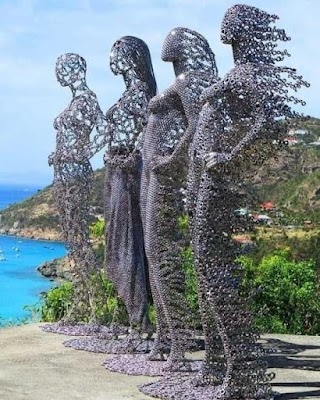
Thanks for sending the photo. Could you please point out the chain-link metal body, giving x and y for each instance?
(73, 174)
(125, 260)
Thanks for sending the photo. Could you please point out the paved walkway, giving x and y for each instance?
(34, 365)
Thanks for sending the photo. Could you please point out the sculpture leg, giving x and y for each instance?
(205, 245)
(152, 227)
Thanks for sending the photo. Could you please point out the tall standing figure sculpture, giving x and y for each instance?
(73, 174)
(244, 106)
(171, 124)
(125, 259)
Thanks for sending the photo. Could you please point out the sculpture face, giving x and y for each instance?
(119, 58)
(232, 26)
(171, 49)
(70, 68)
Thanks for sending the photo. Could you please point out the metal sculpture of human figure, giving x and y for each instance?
(171, 124)
(244, 106)
(73, 175)
(125, 260)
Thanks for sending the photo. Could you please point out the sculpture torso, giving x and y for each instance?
(73, 127)
(166, 125)
(127, 119)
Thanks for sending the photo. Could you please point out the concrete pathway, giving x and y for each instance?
(34, 365)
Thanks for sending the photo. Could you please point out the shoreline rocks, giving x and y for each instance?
(57, 269)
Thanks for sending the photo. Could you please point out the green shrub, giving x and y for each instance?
(287, 289)
(107, 305)
(298, 248)
(97, 228)
(57, 302)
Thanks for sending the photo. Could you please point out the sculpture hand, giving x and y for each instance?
(155, 103)
(215, 158)
(214, 91)
(159, 162)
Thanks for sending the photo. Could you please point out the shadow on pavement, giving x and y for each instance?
(287, 355)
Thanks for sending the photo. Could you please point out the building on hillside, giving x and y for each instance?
(291, 140)
(268, 206)
(242, 211)
(316, 143)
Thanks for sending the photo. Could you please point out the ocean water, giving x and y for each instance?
(20, 282)
(10, 194)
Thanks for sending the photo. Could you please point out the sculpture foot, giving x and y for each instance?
(156, 355)
(205, 378)
(181, 365)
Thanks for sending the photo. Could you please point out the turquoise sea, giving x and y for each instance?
(20, 282)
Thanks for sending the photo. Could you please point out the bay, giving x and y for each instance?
(20, 282)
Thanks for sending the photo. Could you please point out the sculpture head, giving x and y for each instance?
(70, 68)
(250, 27)
(183, 45)
(242, 21)
(130, 56)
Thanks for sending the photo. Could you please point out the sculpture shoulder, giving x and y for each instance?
(243, 75)
(133, 101)
(192, 83)
(138, 91)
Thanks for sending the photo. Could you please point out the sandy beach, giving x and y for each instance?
(35, 365)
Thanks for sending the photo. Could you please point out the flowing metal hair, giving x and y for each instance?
(251, 25)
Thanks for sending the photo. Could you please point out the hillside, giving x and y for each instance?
(36, 216)
(291, 181)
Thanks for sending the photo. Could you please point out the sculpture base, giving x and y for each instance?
(114, 346)
(182, 386)
(101, 331)
(187, 386)
(138, 364)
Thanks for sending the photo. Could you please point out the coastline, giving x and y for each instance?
(33, 233)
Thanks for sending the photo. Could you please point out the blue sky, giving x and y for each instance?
(33, 33)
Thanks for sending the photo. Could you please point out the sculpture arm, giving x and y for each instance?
(162, 100)
(86, 112)
(180, 151)
(214, 92)
(171, 98)
(215, 158)
(103, 136)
